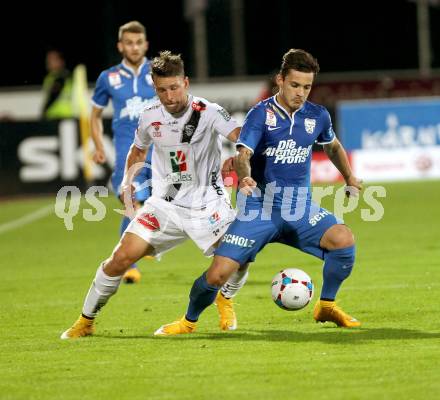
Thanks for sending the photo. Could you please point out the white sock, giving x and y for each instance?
(234, 283)
(103, 287)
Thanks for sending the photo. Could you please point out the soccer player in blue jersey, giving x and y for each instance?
(273, 167)
(130, 88)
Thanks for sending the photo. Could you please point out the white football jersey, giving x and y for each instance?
(187, 151)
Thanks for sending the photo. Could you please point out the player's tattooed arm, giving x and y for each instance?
(243, 168)
(337, 155)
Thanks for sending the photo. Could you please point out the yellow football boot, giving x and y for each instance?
(176, 328)
(133, 275)
(328, 311)
(82, 327)
(225, 307)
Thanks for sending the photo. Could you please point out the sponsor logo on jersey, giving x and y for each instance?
(238, 240)
(179, 168)
(214, 218)
(224, 114)
(189, 130)
(271, 119)
(287, 153)
(149, 220)
(114, 79)
(316, 218)
(178, 161)
(156, 126)
(198, 106)
(309, 124)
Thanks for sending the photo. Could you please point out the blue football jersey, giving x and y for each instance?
(130, 94)
(282, 143)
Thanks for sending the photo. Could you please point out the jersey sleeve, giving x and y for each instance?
(253, 129)
(141, 137)
(327, 134)
(101, 94)
(223, 123)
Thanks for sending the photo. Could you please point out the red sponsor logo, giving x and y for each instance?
(156, 125)
(198, 107)
(149, 221)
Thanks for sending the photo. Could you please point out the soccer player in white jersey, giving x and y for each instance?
(188, 198)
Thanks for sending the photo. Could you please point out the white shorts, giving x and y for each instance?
(165, 225)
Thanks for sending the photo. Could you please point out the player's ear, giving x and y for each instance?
(186, 82)
(119, 46)
(279, 79)
(147, 45)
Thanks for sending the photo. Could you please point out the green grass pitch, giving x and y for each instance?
(394, 290)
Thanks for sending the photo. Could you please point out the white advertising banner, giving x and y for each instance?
(397, 164)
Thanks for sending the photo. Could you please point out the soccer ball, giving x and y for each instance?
(292, 289)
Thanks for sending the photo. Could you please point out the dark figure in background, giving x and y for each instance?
(57, 88)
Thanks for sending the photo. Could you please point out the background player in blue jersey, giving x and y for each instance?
(130, 88)
(273, 167)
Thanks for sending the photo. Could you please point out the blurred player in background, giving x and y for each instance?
(130, 88)
(57, 88)
(188, 198)
(273, 165)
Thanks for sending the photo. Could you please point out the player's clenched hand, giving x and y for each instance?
(353, 186)
(228, 166)
(99, 157)
(247, 184)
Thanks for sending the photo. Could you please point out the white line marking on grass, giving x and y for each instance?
(26, 219)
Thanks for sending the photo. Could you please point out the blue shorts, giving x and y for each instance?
(244, 239)
(142, 180)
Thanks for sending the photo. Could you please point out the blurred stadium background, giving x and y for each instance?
(380, 80)
(380, 77)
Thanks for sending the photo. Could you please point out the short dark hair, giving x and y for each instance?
(132, 27)
(168, 64)
(298, 60)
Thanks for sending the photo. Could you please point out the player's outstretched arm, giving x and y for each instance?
(233, 136)
(337, 155)
(97, 132)
(228, 164)
(243, 168)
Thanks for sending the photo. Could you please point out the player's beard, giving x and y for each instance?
(179, 108)
(297, 103)
(135, 60)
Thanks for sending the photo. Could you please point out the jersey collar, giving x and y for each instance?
(131, 70)
(274, 98)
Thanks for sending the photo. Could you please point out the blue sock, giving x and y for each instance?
(124, 224)
(201, 296)
(337, 267)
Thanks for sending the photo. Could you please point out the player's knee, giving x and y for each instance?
(220, 271)
(216, 278)
(338, 237)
